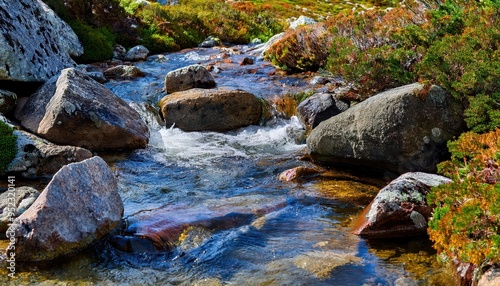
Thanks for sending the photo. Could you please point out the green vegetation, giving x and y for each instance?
(7, 145)
(466, 221)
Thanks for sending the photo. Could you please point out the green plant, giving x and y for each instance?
(7, 145)
(97, 43)
(466, 221)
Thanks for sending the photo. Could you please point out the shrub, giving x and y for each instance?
(466, 222)
(97, 43)
(7, 145)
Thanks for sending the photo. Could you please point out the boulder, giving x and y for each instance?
(73, 109)
(260, 50)
(123, 72)
(97, 76)
(194, 76)
(319, 107)
(13, 203)
(137, 53)
(399, 130)
(8, 101)
(78, 207)
(491, 277)
(37, 157)
(35, 44)
(215, 110)
(400, 209)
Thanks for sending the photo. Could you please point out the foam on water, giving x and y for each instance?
(205, 148)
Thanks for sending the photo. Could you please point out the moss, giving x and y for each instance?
(97, 42)
(7, 145)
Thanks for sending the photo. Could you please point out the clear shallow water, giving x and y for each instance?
(299, 236)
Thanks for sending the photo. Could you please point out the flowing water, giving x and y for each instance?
(292, 233)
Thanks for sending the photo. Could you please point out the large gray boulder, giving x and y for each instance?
(319, 107)
(37, 157)
(400, 209)
(399, 130)
(13, 203)
(73, 109)
(35, 44)
(212, 110)
(194, 76)
(78, 207)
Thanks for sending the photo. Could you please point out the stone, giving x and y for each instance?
(79, 206)
(261, 50)
(210, 110)
(119, 52)
(322, 263)
(13, 203)
(137, 53)
(399, 130)
(97, 76)
(123, 72)
(73, 109)
(491, 277)
(194, 76)
(400, 209)
(35, 44)
(166, 227)
(302, 21)
(298, 174)
(37, 157)
(319, 107)
(8, 101)
(210, 42)
(247, 61)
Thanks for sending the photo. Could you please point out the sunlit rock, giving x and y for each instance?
(79, 206)
(214, 110)
(73, 109)
(137, 53)
(35, 44)
(194, 76)
(402, 129)
(123, 72)
(400, 209)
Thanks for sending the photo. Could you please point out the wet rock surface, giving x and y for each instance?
(79, 206)
(194, 76)
(74, 109)
(35, 44)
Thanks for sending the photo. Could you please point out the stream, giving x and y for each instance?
(294, 233)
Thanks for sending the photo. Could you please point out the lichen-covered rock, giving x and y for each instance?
(13, 203)
(35, 44)
(399, 130)
(194, 76)
(319, 107)
(73, 109)
(37, 157)
(302, 21)
(119, 52)
(8, 101)
(400, 209)
(214, 110)
(79, 206)
(123, 72)
(137, 53)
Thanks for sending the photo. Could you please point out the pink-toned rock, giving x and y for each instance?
(298, 173)
(79, 206)
(400, 209)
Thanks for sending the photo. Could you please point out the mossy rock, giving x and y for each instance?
(7, 145)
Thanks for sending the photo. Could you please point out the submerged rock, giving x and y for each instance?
(321, 263)
(73, 109)
(14, 203)
(298, 174)
(166, 227)
(400, 209)
(214, 110)
(194, 76)
(398, 130)
(35, 44)
(79, 206)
